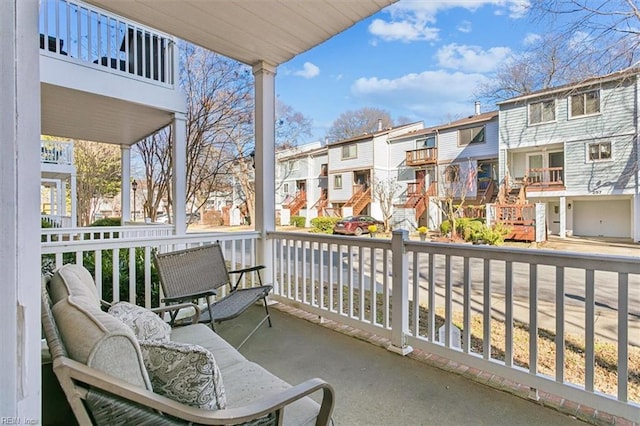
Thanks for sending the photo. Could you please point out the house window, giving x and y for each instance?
(337, 182)
(452, 173)
(430, 142)
(599, 151)
(324, 169)
(542, 112)
(470, 136)
(285, 187)
(349, 151)
(585, 103)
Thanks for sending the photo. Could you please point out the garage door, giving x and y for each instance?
(602, 218)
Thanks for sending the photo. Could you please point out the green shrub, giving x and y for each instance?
(475, 230)
(44, 223)
(107, 221)
(324, 224)
(472, 230)
(445, 227)
(298, 221)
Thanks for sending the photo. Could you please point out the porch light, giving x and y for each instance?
(134, 187)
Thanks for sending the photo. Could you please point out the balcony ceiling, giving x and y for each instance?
(248, 31)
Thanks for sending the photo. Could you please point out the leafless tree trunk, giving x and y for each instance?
(386, 191)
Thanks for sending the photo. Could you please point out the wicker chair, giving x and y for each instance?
(201, 272)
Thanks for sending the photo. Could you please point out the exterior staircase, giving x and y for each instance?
(322, 206)
(418, 198)
(297, 203)
(359, 200)
(513, 211)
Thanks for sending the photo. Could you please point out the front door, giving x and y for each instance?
(556, 162)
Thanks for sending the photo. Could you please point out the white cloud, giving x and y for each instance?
(402, 30)
(464, 27)
(531, 39)
(430, 95)
(579, 39)
(472, 58)
(413, 20)
(308, 70)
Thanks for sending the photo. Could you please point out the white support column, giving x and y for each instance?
(74, 200)
(636, 217)
(63, 201)
(20, 194)
(179, 166)
(400, 293)
(563, 217)
(125, 184)
(265, 172)
(59, 192)
(52, 202)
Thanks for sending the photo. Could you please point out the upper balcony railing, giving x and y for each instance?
(90, 35)
(422, 156)
(56, 152)
(547, 177)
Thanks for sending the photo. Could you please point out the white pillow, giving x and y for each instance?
(185, 373)
(145, 324)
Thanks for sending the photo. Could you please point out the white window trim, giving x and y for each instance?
(484, 130)
(605, 160)
(577, 117)
(334, 182)
(555, 112)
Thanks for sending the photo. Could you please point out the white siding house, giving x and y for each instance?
(576, 149)
(471, 146)
(300, 180)
(356, 163)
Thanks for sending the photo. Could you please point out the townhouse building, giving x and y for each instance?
(452, 162)
(575, 149)
(301, 181)
(356, 163)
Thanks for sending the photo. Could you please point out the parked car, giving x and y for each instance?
(356, 225)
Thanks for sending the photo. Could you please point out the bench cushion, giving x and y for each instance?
(73, 280)
(247, 382)
(99, 340)
(199, 334)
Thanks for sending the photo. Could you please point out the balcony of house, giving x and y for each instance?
(545, 179)
(56, 159)
(539, 170)
(101, 70)
(422, 156)
(520, 320)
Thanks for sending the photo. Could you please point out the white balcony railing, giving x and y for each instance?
(413, 292)
(56, 152)
(56, 221)
(80, 32)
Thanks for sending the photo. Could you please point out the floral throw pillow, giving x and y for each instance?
(145, 324)
(185, 373)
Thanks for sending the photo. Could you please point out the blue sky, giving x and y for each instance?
(422, 60)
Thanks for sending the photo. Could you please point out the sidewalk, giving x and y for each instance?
(610, 246)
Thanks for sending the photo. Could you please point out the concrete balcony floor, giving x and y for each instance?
(374, 386)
